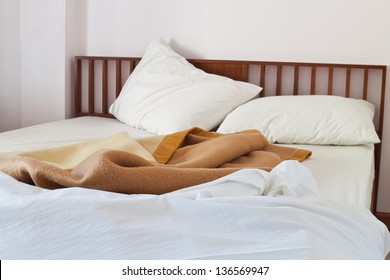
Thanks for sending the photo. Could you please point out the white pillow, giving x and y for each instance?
(166, 93)
(324, 120)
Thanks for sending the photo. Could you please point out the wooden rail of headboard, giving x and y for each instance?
(276, 78)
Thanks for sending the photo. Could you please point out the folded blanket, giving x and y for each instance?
(181, 159)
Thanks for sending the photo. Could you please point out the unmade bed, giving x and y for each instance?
(315, 207)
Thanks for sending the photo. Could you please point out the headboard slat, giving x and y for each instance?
(347, 82)
(330, 81)
(118, 77)
(278, 80)
(77, 86)
(91, 86)
(313, 80)
(365, 84)
(105, 87)
(262, 80)
(296, 80)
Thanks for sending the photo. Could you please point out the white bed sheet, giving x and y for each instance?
(250, 214)
(344, 173)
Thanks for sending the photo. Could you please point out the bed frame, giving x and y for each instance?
(99, 80)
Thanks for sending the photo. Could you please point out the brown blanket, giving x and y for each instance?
(182, 159)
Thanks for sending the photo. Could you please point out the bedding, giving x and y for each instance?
(62, 133)
(352, 185)
(249, 214)
(120, 164)
(233, 217)
(166, 93)
(311, 119)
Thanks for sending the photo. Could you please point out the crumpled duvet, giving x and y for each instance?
(249, 214)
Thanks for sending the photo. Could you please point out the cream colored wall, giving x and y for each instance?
(299, 30)
(9, 64)
(75, 34)
(42, 61)
(52, 31)
(38, 38)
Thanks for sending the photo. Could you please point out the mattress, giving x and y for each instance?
(343, 173)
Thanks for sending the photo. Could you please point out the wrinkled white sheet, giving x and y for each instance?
(250, 214)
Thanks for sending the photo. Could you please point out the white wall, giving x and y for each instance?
(38, 38)
(9, 64)
(300, 30)
(75, 40)
(42, 61)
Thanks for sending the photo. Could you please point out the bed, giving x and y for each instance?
(317, 201)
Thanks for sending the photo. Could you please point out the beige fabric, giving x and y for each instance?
(183, 159)
(69, 156)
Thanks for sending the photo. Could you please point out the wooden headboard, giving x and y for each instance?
(99, 80)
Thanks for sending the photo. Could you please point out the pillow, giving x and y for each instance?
(166, 93)
(324, 120)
